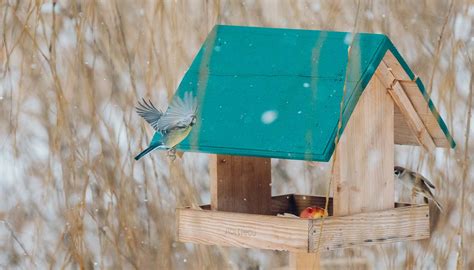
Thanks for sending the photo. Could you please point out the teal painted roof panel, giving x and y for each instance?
(277, 92)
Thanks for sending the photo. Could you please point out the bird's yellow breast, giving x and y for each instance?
(176, 136)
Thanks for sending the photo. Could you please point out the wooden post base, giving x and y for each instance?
(304, 261)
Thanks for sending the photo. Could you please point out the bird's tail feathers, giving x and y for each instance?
(148, 150)
(428, 196)
(438, 204)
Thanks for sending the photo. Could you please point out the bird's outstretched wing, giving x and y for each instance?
(425, 181)
(149, 112)
(179, 113)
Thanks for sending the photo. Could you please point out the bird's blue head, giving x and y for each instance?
(193, 120)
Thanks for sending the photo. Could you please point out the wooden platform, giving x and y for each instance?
(404, 222)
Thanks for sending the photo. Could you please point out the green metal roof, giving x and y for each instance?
(277, 92)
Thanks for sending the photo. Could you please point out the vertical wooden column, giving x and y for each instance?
(365, 155)
(304, 261)
(363, 180)
(240, 184)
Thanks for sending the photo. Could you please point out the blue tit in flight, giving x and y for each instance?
(417, 183)
(171, 127)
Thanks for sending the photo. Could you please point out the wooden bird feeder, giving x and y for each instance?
(278, 93)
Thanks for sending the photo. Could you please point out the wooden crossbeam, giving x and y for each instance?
(399, 96)
(413, 119)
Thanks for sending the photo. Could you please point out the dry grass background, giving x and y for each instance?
(71, 195)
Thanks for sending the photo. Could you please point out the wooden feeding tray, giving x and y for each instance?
(402, 223)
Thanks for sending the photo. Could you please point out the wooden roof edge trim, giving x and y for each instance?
(435, 113)
(187, 147)
(398, 94)
(413, 119)
(402, 72)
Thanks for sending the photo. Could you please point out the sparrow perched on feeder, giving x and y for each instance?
(171, 127)
(313, 212)
(417, 183)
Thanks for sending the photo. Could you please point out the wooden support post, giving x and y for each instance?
(240, 184)
(309, 261)
(243, 184)
(365, 157)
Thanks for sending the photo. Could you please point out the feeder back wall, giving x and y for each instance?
(277, 92)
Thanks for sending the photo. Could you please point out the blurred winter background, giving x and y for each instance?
(71, 195)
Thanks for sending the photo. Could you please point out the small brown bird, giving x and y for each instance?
(417, 183)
